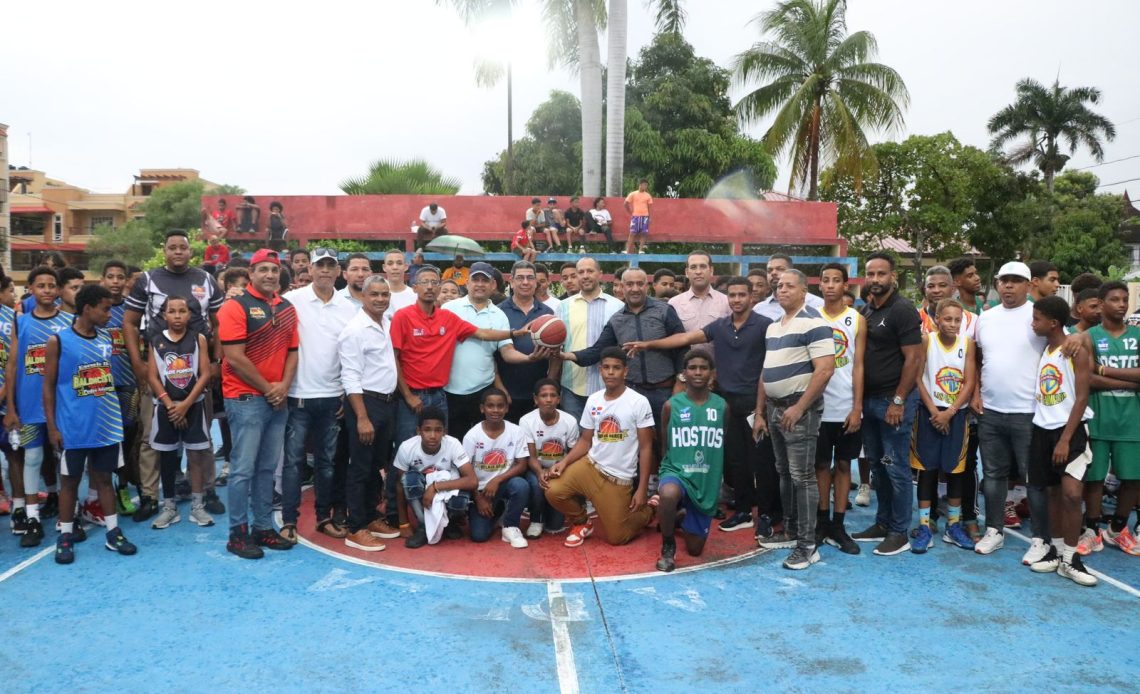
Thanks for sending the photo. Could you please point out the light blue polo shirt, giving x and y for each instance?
(473, 366)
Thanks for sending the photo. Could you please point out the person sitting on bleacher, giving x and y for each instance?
(601, 222)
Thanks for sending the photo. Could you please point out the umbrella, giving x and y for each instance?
(452, 244)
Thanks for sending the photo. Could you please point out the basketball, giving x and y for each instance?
(548, 331)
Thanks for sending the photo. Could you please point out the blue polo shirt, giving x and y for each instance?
(739, 354)
(520, 378)
(473, 366)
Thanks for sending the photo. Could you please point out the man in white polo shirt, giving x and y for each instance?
(433, 223)
(315, 394)
(778, 264)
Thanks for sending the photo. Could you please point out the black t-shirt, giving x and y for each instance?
(574, 217)
(890, 327)
(199, 288)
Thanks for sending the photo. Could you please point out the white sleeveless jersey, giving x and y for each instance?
(945, 370)
(839, 396)
(1056, 391)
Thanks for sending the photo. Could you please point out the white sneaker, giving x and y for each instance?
(863, 498)
(991, 542)
(515, 537)
(199, 517)
(1075, 571)
(534, 530)
(1038, 548)
(167, 517)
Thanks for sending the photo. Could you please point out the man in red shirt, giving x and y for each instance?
(424, 338)
(258, 332)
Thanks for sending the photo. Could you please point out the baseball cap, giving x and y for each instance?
(1014, 268)
(552, 199)
(320, 254)
(481, 268)
(268, 255)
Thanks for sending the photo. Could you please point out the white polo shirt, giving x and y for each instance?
(366, 358)
(432, 221)
(318, 324)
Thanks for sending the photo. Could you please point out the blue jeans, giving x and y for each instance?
(888, 450)
(258, 433)
(572, 404)
(510, 500)
(414, 483)
(540, 511)
(315, 416)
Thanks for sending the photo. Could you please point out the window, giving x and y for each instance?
(100, 220)
(57, 229)
(30, 225)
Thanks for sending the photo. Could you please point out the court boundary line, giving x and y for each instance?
(1099, 574)
(563, 647)
(27, 562)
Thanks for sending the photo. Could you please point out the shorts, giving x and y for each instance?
(932, 450)
(164, 436)
(1042, 471)
(639, 225)
(696, 522)
(1123, 457)
(832, 437)
(128, 405)
(33, 435)
(99, 459)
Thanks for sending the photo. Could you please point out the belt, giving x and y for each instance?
(786, 402)
(610, 478)
(426, 390)
(383, 397)
(667, 383)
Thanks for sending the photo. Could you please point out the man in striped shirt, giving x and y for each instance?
(798, 361)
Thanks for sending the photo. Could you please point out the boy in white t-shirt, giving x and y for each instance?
(433, 451)
(550, 433)
(498, 451)
(611, 462)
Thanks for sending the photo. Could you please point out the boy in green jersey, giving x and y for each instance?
(692, 435)
(1114, 430)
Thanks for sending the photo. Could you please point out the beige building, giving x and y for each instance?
(5, 220)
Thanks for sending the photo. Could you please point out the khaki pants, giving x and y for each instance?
(611, 501)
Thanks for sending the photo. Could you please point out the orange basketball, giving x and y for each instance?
(548, 331)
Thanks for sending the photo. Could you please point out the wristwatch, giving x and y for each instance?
(897, 400)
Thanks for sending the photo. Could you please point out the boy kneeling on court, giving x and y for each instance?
(611, 462)
(434, 468)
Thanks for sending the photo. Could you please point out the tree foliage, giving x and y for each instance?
(132, 243)
(395, 177)
(548, 159)
(176, 206)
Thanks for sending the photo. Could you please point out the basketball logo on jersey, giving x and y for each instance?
(609, 430)
(841, 347)
(118, 341)
(494, 461)
(949, 381)
(92, 379)
(34, 359)
(698, 466)
(199, 292)
(179, 370)
(552, 450)
(1049, 384)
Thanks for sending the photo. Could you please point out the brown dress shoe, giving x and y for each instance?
(364, 541)
(328, 527)
(380, 528)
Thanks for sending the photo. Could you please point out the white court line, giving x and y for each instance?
(563, 649)
(26, 563)
(1102, 576)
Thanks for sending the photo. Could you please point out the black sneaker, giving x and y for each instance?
(50, 507)
(417, 540)
(668, 551)
(213, 504)
(19, 520)
(340, 517)
(117, 542)
(780, 540)
(78, 534)
(737, 521)
(271, 540)
(763, 527)
(453, 531)
(34, 535)
(277, 501)
(242, 544)
(222, 479)
(875, 533)
(892, 544)
(838, 537)
(147, 509)
(64, 551)
(801, 558)
(822, 527)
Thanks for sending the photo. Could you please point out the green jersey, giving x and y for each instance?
(1116, 413)
(695, 440)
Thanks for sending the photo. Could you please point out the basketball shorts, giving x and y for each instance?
(1042, 471)
(696, 522)
(639, 225)
(836, 444)
(932, 450)
(33, 435)
(99, 459)
(164, 436)
(1122, 457)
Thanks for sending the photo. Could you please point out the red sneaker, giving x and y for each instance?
(578, 534)
(93, 513)
(1012, 520)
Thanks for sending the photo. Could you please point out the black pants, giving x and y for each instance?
(520, 405)
(742, 455)
(366, 461)
(463, 413)
(340, 463)
(970, 477)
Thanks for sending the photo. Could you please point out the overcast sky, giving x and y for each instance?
(292, 97)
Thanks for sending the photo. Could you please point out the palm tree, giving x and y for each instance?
(822, 86)
(394, 177)
(1044, 116)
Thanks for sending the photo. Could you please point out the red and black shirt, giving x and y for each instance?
(268, 329)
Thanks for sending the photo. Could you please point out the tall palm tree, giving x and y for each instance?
(822, 86)
(1046, 115)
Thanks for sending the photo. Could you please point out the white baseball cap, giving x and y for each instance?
(1015, 268)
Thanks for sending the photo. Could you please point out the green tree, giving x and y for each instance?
(1085, 229)
(394, 177)
(228, 189)
(176, 206)
(1041, 117)
(547, 161)
(132, 243)
(823, 86)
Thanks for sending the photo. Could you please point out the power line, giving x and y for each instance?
(1106, 163)
(1115, 183)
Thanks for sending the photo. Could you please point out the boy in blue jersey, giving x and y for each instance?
(83, 419)
(114, 280)
(7, 329)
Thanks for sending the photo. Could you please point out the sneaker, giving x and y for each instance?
(737, 521)
(892, 544)
(515, 538)
(50, 506)
(34, 534)
(242, 544)
(380, 529)
(417, 540)
(117, 542)
(5, 504)
(578, 534)
(863, 497)
(534, 530)
(922, 540)
(146, 510)
(1124, 540)
(453, 531)
(1038, 548)
(642, 251)
(972, 529)
(19, 521)
(365, 541)
(93, 513)
(838, 537)
(330, 528)
(64, 549)
(780, 540)
(126, 505)
(340, 517)
(763, 527)
(1089, 542)
(957, 535)
(1022, 508)
(212, 503)
(801, 558)
(554, 531)
(270, 539)
(875, 533)
(78, 534)
(667, 562)
(199, 517)
(1048, 563)
(223, 479)
(1012, 520)
(167, 517)
(991, 542)
(1076, 572)
(582, 249)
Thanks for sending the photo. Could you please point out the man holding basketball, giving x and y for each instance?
(521, 308)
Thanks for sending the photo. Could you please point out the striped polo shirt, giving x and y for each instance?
(791, 346)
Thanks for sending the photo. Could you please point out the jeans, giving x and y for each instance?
(258, 438)
(1004, 439)
(540, 511)
(795, 461)
(366, 461)
(510, 500)
(888, 451)
(414, 483)
(573, 404)
(315, 416)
